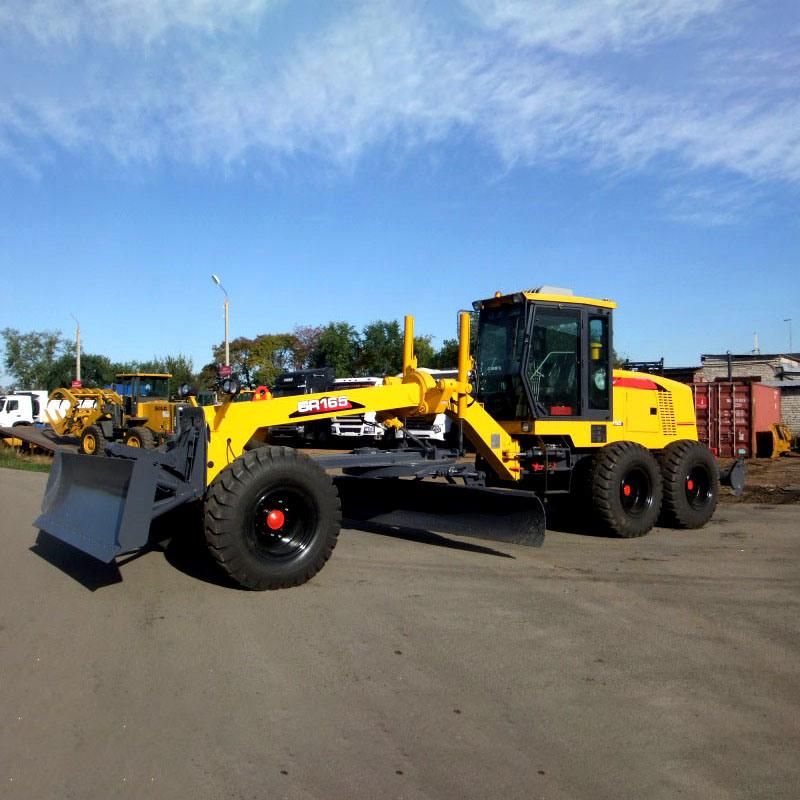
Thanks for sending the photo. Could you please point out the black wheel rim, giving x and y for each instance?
(698, 487)
(636, 492)
(283, 523)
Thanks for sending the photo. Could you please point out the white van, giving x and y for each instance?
(22, 408)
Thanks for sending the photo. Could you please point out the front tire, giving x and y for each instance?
(93, 442)
(626, 489)
(691, 484)
(272, 518)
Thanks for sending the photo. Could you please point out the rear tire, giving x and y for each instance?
(272, 518)
(691, 484)
(626, 489)
(140, 437)
(93, 442)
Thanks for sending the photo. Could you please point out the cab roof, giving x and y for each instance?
(545, 294)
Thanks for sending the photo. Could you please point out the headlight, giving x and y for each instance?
(231, 386)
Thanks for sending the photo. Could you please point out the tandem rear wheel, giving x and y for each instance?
(625, 489)
(272, 518)
(691, 484)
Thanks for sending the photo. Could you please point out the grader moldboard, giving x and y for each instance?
(545, 417)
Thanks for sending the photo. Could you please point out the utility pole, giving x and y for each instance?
(216, 280)
(789, 320)
(77, 349)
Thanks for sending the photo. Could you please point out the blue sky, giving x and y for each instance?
(363, 160)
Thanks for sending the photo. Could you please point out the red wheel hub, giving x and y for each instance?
(275, 519)
(626, 490)
(690, 485)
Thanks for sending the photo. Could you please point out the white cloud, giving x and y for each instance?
(385, 73)
(120, 21)
(586, 26)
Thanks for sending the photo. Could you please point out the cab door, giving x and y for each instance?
(567, 365)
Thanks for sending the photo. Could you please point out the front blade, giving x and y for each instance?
(101, 506)
(495, 514)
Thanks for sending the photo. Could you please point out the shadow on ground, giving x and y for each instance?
(381, 508)
(89, 572)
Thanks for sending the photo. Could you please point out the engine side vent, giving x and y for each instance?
(666, 413)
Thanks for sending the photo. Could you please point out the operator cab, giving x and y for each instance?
(544, 354)
(135, 387)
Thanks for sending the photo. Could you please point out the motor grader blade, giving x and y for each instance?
(494, 514)
(104, 507)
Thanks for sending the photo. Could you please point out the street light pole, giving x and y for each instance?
(216, 280)
(789, 320)
(77, 348)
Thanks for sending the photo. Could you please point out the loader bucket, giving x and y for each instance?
(495, 514)
(101, 506)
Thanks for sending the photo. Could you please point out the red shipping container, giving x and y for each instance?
(735, 418)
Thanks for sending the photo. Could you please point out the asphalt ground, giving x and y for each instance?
(413, 666)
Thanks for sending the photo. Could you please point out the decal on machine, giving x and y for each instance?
(324, 405)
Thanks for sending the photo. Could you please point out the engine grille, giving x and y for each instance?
(666, 413)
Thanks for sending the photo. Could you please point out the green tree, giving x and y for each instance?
(258, 361)
(243, 358)
(426, 355)
(337, 346)
(208, 377)
(306, 338)
(447, 355)
(181, 368)
(29, 356)
(96, 371)
(274, 353)
(381, 348)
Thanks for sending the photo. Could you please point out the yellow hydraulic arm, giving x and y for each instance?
(80, 408)
(416, 393)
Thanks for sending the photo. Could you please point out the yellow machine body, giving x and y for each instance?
(143, 402)
(150, 406)
(77, 409)
(781, 440)
(538, 401)
(649, 410)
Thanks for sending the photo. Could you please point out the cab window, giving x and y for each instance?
(599, 378)
(553, 372)
(501, 338)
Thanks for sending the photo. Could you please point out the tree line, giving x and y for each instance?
(45, 359)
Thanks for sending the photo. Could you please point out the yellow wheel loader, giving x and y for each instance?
(137, 411)
(539, 402)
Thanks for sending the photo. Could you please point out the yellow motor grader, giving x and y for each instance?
(539, 403)
(137, 411)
